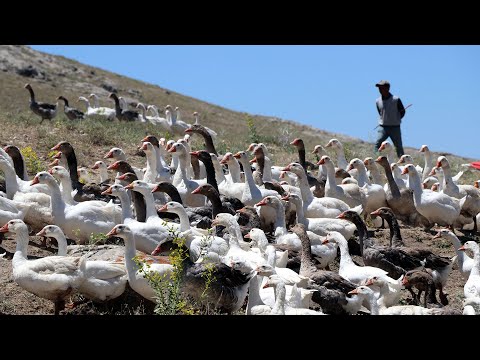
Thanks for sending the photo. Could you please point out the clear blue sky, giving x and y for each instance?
(329, 87)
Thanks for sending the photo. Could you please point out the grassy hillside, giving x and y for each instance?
(51, 76)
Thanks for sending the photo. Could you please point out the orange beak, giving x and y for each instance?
(172, 149)
(109, 155)
(405, 171)
(196, 191)
(354, 291)
(114, 166)
(462, 248)
(35, 181)
(164, 208)
(341, 216)
(56, 147)
(4, 228)
(112, 232)
(324, 241)
(237, 155)
(261, 203)
(108, 191)
(129, 186)
(247, 236)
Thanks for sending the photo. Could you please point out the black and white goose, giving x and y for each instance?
(44, 110)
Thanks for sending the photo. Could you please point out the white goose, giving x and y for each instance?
(107, 112)
(63, 176)
(465, 262)
(235, 252)
(102, 169)
(326, 207)
(195, 239)
(379, 308)
(14, 185)
(471, 207)
(260, 241)
(372, 167)
(185, 186)
(136, 278)
(54, 277)
(348, 269)
(351, 194)
(147, 234)
(104, 280)
(436, 207)
(177, 127)
(118, 154)
(280, 307)
(375, 194)
(471, 288)
(320, 226)
(79, 221)
(161, 121)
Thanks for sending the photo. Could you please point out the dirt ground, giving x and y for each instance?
(16, 301)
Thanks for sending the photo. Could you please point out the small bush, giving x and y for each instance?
(32, 162)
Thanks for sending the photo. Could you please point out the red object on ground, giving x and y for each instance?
(476, 164)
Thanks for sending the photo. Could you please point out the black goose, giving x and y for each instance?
(312, 181)
(72, 113)
(401, 201)
(206, 159)
(18, 161)
(137, 199)
(227, 293)
(123, 115)
(200, 216)
(44, 110)
(200, 129)
(393, 260)
(249, 219)
(440, 265)
(67, 149)
(92, 191)
(332, 288)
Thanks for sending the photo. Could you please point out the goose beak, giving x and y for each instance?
(354, 291)
(129, 186)
(4, 228)
(41, 233)
(164, 208)
(56, 147)
(109, 155)
(107, 192)
(462, 248)
(34, 181)
(112, 232)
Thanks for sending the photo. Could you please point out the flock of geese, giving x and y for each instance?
(276, 229)
(171, 122)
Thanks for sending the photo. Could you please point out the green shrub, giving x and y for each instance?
(32, 162)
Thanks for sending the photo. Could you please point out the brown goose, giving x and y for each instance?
(72, 113)
(123, 115)
(440, 266)
(44, 110)
(312, 181)
(393, 260)
(332, 288)
(200, 130)
(401, 201)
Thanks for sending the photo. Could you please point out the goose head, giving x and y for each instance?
(121, 231)
(50, 231)
(14, 226)
(114, 190)
(173, 207)
(43, 177)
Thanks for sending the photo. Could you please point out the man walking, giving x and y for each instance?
(391, 111)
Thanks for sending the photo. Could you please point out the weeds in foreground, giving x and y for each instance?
(33, 163)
